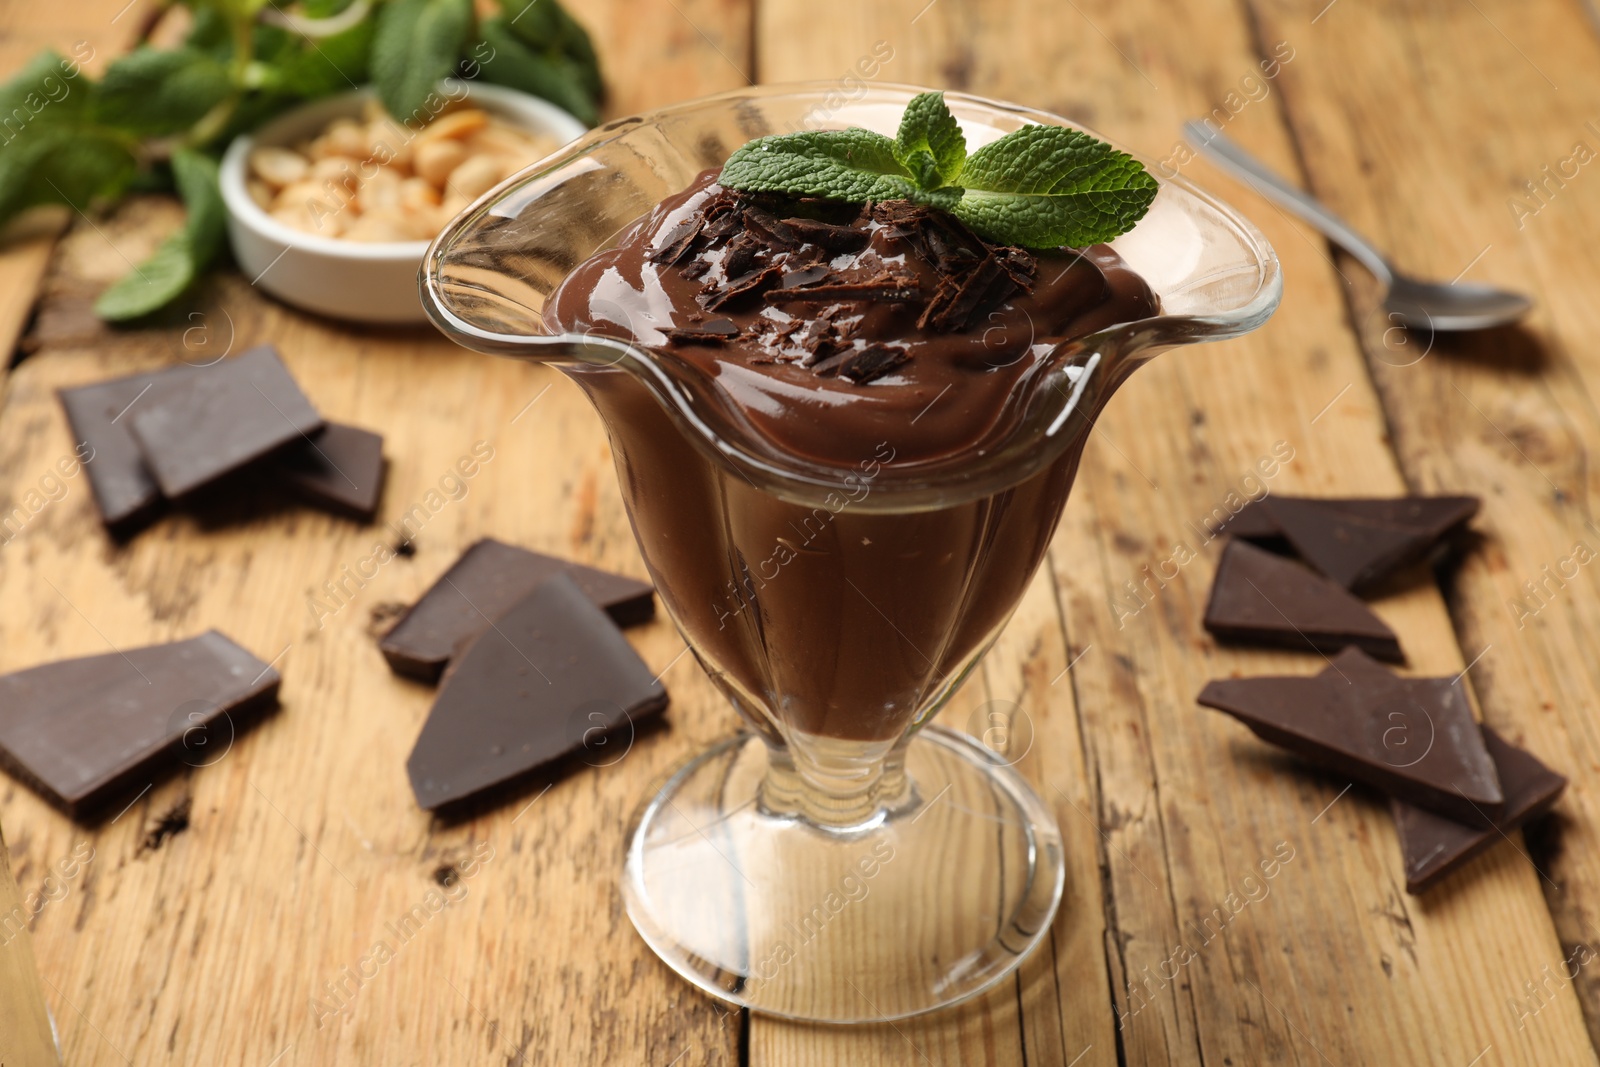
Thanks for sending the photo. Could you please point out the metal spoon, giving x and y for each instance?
(1417, 304)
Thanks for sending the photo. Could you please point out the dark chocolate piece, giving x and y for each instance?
(1412, 738)
(887, 287)
(675, 245)
(196, 428)
(485, 582)
(827, 236)
(80, 730)
(1253, 522)
(1360, 542)
(1433, 847)
(340, 468)
(864, 364)
(711, 332)
(552, 677)
(1257, 596)
(751, 284)
(124, 490)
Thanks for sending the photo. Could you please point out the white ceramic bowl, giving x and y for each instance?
(365, 281)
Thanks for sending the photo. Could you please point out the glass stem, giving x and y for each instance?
(832, 783)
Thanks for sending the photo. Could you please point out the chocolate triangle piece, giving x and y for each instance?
(124, 490)
(485, 582)
(1258, 596)
(1410, 738)
(1433, 847)
(1253, 522)
(1360, 542)
(79, 730)
(341, 469)
(194, 428)
(552, 677)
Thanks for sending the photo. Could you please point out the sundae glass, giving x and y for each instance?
(842, 859)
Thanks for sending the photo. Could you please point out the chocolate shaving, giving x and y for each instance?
(863, 365)
(776, 235)
(984, 289)
(741, 257)
(794, 279)
(748, 285)
(777, 248)
(891, 288)
(678, 242)
(711, 332)
(828, 236)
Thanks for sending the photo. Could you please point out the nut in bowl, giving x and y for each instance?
(331, 207)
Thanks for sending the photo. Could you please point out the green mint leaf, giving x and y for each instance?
(854, 165)
(1046, 186)
(50, 150)
(545, 26)
(930, 144)
(505, 60)
(416, 44)
(179, 259)
(151, 285)
(196, 177)
(329, 65)
(156, 93)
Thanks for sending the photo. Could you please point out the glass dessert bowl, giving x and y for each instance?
(838, 554)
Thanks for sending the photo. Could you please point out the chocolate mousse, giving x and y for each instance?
(863, 340)
(833, 326)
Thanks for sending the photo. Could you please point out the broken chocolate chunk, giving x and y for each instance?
(1413, 738)
(124, 490)
(79, 731)
(1257, 596)
(1432, 847)
(340, 468)
(553, 677)
(1360, 542)
(196, 427)
(487, 579)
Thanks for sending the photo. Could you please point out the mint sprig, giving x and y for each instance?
(159, 116)
(1038, 187)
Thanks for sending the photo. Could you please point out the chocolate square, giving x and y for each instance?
(195, 428)
(341, 468)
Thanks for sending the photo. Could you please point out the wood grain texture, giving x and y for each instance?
(1507, 97)
(1328, 958)
(233, 913)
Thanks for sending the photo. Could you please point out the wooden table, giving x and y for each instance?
(226, 915)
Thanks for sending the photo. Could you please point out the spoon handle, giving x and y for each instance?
(1255, 174)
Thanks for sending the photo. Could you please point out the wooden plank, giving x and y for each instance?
(1327, 958)
(232, 914)
(1503, 95)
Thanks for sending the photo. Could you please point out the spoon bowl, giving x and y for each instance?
(1452, 307)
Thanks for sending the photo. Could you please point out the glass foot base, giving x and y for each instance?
(933, 903)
